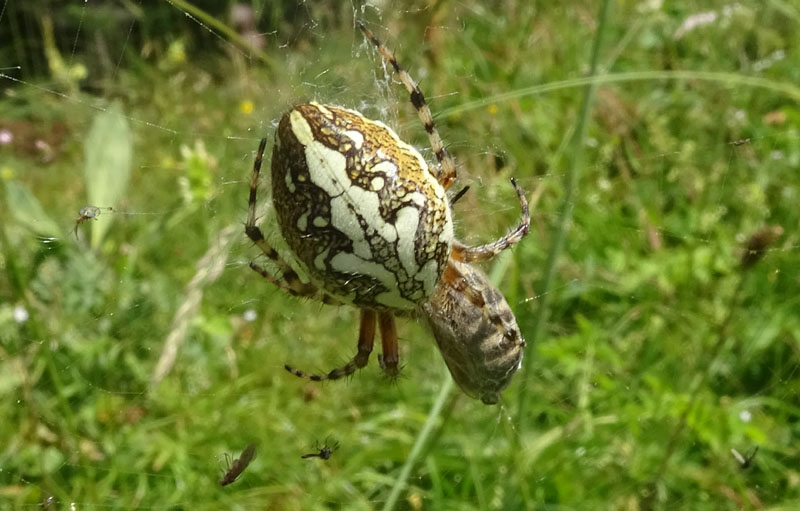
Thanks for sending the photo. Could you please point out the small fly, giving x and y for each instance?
(325, 452)
(745, 461)
(239, 464)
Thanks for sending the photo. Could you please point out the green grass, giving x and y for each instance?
(659, 353)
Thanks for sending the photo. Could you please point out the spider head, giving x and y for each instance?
(476, 332)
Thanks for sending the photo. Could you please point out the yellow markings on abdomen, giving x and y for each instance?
(363, 205)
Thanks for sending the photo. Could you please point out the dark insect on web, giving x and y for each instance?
(239, 465)
(88, 213)
(757, 244)
(325, 452)
(745, 461)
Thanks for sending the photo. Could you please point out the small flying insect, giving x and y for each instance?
(87, 213)
(745, 461)
(757, 244)
(239, 464)
(325, 452)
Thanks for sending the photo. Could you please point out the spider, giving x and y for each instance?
(87, 213)
(239, 465)
(370, 224)
(324, 452)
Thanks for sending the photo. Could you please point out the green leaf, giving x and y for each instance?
(27, 210)
(108, 151)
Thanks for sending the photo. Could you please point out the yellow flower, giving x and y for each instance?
(492, 109)
(246, 107)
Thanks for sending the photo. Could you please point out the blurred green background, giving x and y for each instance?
(137, 347)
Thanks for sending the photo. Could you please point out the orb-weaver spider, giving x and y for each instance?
(370, 224)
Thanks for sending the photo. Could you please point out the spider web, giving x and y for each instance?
(137, 348)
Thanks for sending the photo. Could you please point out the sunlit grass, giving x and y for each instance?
(654, 333)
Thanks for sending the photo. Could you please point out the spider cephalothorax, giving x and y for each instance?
(369, 222)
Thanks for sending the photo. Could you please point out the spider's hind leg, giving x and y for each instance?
(366, 338)
(292, 284)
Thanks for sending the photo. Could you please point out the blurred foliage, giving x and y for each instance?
(99, 35)
(663, 352)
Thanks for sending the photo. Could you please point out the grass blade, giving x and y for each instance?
(565, 213)
(419, 443)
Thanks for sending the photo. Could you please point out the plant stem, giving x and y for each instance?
(786, 88)
(205, 18)
(565, 214)
(416, 450)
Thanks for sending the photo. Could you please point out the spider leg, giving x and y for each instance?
(299, 288)
(447, 170)
(366, 338)
(290, 281)
(390, 357)
(483, 252)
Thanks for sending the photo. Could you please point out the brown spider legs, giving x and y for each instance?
(366, 338)
(389, 359)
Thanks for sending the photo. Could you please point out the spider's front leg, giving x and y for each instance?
(447, 167)
(483, 252)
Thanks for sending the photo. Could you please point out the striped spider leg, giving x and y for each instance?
(447, 170)
(447, 167)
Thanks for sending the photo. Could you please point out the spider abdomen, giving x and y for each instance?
(359, 208)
